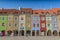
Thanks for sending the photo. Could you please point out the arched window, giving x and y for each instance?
(22, 18)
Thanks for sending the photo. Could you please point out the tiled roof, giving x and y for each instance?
(51, 11)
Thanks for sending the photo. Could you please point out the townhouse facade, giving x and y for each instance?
(48, 24)
(29, 22)
(43, 23)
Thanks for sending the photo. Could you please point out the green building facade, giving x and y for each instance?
(3, 22)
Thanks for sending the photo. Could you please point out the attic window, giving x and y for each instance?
(42, 12)
(36, 13)
(47, 13)
(54, 13)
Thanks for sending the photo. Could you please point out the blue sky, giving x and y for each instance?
(34, 4)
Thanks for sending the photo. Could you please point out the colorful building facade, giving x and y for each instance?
(16, 23)
(3, 21)
(58, 11)
(35, 24)
(43, 23)
(22, 23)
(30, 22)
(54, 24)
(48, 24)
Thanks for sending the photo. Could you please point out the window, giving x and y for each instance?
(42, 18)
(36, 13)
(48, 24)
(15, 18)
(21, 24)
(3, 24)
(37, 25)
(42, 13)
(15, 25)
(21, 18)
(3, 18)
(43, 24)
(9, 24)
(47, 13)
(49, 18)
(33, 25)
(55, 25)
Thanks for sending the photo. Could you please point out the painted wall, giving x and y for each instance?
(22, 21)
(3, 21)
(58, 22)
(54, 22)
(16, 22)
(48, 23)
(28, 22)
(35, 19)
(10, 22)
(43, 21)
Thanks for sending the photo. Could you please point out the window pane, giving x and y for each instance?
(15, 25)
(21, 18)
(37, 25)
(15, 18)
(33, 25)
(42, 18)
(55, 25)
(9, 24)
(43, 25)
(3, 24)
(21, 24)
(48, 24)
(2, 18)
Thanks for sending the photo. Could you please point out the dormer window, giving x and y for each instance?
(54, 14)
(42, 13)
(47, 13)
(36, 13)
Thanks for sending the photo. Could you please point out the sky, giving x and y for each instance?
(34, 4)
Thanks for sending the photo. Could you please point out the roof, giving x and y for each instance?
(51, 11)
